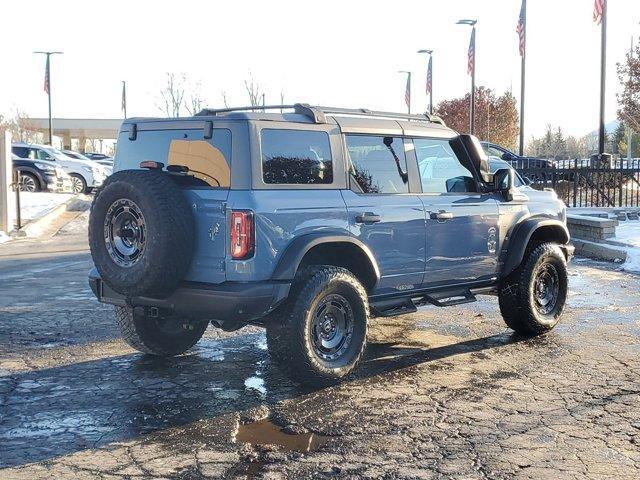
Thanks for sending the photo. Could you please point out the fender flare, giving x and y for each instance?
(36, 173)
(294, 253)
(521, 235)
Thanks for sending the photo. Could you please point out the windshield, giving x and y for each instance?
(58, 154)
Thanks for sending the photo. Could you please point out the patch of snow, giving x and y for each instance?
(35, 205)
(629, 233)
(4, 237)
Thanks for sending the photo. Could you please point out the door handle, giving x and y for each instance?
(441, 215)
(367, 217)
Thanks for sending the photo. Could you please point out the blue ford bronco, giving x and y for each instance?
(309, 221)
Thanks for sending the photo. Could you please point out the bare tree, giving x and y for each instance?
(195, 102)
(253, 90)
(22, 128)
(172, 95)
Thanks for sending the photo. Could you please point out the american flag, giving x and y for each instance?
(429, 81)
(407, 92)
(46, 77)
(598, 10)
(471, 65)
(521, 28)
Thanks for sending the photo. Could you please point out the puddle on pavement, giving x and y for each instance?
(265, 432)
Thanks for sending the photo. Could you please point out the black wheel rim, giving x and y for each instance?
(332, 327)
(125, 232)
(546, 287)
(76, 185)
(27, 184)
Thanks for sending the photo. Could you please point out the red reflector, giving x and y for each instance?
(150, 164)
(242, 235)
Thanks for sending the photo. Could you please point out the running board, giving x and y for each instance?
(445, 298)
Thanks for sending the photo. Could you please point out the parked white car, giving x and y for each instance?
(85, 174)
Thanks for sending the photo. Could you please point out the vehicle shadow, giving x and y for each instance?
(61, 410)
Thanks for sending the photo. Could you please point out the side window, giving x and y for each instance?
(494, 152)
(21, 152)
(378, 164)
(440, 169)
(296, 157)
(41, 155)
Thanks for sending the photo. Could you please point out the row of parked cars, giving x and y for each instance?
(45, 168)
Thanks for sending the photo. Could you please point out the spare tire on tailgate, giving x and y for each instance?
(141, 233)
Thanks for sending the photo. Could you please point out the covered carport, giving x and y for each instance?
(79, 129)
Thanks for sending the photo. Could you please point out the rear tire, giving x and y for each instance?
(532, 298)
(317, 337)
(162, 336)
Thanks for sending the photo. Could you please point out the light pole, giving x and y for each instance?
(471, 69)
(47, 88)
(407, 91)
(429, 83)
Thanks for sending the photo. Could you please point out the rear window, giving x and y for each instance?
(207, 159)
(296, 157)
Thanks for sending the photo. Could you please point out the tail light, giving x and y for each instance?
(242, 235)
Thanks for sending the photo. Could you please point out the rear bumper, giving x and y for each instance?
(227, 302)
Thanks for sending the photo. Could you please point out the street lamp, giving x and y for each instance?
(471, 69)
(429, 83)
(47, 87)
(407, 92)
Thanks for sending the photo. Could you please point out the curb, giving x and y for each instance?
(37, 227)
(599, 251)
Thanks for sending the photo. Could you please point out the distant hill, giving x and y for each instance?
(609, 128)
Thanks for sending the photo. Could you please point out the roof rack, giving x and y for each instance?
(318, 113)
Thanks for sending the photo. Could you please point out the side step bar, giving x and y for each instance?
(444, 298)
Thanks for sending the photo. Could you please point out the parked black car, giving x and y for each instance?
(38, 175)
(514, 159)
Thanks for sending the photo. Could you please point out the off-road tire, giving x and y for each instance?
(169, 237)
(289, 329)
(517, 292)
(162, 336)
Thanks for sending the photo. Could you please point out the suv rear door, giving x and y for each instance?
(462, 224)
(209, 160)
(383, 213)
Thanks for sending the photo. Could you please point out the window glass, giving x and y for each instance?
(20, 152)
(207, 159)
(378, 164)
(494, 152)
(296, 157)
(440, 169)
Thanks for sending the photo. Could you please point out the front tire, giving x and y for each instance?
(78, 184)
(162, 335)
(29, 183)
(533, 297)
(318, 336)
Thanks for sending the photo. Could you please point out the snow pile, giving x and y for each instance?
(35, 205)
(628, 232)
(4, 237)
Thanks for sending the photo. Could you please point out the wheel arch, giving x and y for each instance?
(336, 249)
(532, 231)
(34, 173)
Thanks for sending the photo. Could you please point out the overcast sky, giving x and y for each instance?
(341, 53)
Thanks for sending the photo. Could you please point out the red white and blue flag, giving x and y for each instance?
(522, 29)
(598, 11)
(407, 92)
(471, 64)
(46, 77)
(429, 79)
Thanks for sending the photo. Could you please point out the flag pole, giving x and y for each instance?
(603, 63)
(47, 87)
(473, 83)
(523, 64)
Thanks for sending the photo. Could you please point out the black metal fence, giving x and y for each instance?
(579, 183)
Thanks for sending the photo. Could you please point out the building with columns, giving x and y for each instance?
(79, 130)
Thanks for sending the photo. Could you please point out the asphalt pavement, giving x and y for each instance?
(442, 393)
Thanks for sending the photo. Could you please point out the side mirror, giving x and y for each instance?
(504, 181)
(527, 181)
(506, 156)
